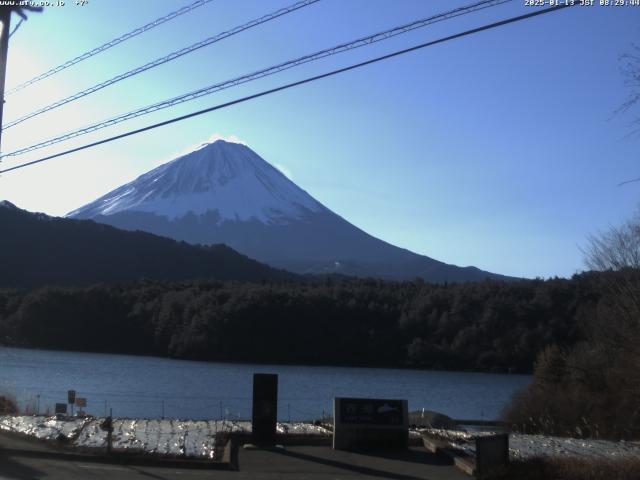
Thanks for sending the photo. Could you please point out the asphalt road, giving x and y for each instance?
(25, 460)
(23, 468)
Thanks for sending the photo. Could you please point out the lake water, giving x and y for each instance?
(155, 387)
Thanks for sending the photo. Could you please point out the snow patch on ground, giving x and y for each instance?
(44, 428)
(184, 438)
(525, 446)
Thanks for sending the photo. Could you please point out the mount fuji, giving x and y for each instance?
(224, 192)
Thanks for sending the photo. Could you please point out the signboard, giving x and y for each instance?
(71, 397)
(81, 402)
(61, 408)
(265, 408)
(492, 453)
(370, 423)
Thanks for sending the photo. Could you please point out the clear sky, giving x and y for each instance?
(499, 150)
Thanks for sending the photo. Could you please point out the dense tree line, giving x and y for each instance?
(490, 326)
(592, 387)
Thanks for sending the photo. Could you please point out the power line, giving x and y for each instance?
(109, 44)
(364, 41)
(295, 84)
(16, 27)
(165, 59)
(217, 87)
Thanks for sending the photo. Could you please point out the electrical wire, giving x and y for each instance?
(16, 27)
(364, 41)
(298, 83)
(164, 59)
(109, 44)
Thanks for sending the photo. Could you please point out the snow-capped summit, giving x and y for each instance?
(222, 176)
(223, 192)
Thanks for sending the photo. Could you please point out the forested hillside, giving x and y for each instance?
(40, 250)
(491, 326)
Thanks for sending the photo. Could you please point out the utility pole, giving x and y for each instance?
(5, 18)
(110, 431)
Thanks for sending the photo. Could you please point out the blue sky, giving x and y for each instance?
(498, 150)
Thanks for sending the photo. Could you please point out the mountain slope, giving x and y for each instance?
(227, 177)
(43, 250)
(225, 193)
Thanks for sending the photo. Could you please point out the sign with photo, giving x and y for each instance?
(370, 423)
(367, 411)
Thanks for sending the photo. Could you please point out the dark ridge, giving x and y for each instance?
(37, 250)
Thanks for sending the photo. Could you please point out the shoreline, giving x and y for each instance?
(281, 364)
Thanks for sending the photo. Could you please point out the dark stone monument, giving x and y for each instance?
(265, 409)
(492, 453)
(370, 423)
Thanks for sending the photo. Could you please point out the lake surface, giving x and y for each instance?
(155, 387)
